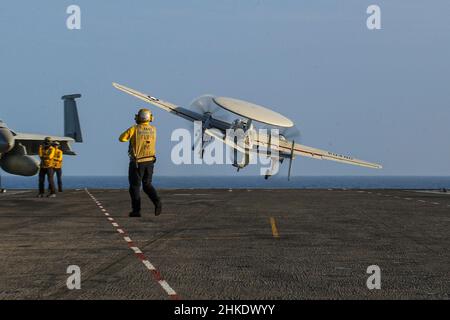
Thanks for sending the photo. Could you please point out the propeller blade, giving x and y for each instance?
(291, 133)
(290, 160)
(206, 105)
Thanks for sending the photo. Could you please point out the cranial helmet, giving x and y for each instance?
(47, 140)
(143, 115)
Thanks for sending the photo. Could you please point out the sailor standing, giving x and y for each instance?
(142, 139)
(46, 153)
(57, 164)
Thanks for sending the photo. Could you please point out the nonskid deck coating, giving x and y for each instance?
(220, 244)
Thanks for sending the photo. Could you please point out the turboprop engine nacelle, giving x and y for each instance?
(6, 139)
(18, 164)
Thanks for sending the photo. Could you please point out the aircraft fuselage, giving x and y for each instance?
(13, 159)
(6, 139)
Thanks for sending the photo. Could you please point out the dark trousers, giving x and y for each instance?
(141, 173)
(58, 172)
(49, 173)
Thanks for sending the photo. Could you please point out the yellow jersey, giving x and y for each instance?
(58, 159)
(142, 138)
(46, 154)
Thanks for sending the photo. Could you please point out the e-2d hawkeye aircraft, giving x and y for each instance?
(17, 149)
(209, 110)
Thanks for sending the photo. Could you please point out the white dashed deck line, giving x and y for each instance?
(139, 254)
(136, 249)
(167, 288)
(148, 265)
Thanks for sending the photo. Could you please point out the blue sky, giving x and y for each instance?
(381, 96)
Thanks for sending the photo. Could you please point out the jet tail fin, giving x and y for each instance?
(72, 127)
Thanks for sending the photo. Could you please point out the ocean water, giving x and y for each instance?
(307, 182)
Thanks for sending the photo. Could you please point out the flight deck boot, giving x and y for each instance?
(158, 208)
(134, 214)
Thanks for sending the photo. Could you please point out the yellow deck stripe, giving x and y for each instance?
(274, 228)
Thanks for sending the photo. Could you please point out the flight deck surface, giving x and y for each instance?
(226, 244)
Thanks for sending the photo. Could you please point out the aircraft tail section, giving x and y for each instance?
(72, 127)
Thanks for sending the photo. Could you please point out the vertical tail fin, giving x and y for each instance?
(71, 121)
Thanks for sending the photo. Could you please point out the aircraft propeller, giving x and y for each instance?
(206, 106)
(292, 133)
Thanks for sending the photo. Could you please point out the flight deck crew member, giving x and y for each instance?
(46, 153)
(142, 142)
(57, 164)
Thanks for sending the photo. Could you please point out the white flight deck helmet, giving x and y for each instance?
(143, 115)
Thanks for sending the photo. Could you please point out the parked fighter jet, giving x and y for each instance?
(207, 109)
(17, 149)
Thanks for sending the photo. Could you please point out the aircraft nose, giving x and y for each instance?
(6, 140)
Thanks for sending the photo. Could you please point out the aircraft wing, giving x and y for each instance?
(327, 155)
(288, 149)
(167, 106)
(285, 147)
(32, 141)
